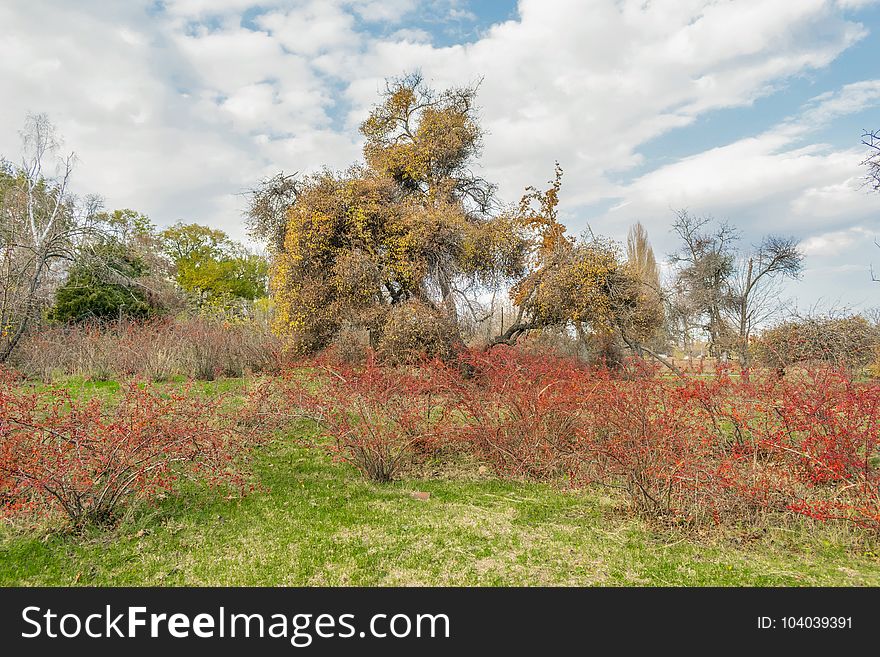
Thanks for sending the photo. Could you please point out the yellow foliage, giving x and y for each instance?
(398, 229)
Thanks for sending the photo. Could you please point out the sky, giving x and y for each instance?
(749, 111)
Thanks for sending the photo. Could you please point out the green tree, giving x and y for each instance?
(118, 272)
(211, 269)
(103, 286)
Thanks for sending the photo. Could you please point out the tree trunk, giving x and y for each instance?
(744, 360)
(27, 306)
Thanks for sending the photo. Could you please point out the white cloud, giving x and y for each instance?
(856, 4)
(831, 105)
(774, 178)
(199, 8)
(588, 84)
(174, 111)
(834, 243)
(383, 11)
(313, 28)
(845, 199)
(410, 34)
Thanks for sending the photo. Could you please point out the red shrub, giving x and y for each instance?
(375, 417)
(708, 448)
(827, 429)
(705, 448)
(89, 460)
(518, 412)
(808, 444)
(642, 436)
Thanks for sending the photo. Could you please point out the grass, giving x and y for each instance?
(318, 523)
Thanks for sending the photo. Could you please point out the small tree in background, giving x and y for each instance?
(731, 292)
(117, 273)
(640, 257)
(102, 287)
(215, 272)
(871, 139)
(754, 293)
(642, 264)
(705, 264)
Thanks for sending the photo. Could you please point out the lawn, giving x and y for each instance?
(316, 522)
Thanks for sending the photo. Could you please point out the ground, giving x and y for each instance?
(316, 522)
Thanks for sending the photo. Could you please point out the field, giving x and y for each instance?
(313, 521)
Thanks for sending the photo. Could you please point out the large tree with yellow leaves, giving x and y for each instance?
(412, 225)
(412, 235)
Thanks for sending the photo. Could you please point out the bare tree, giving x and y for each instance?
(753, 289)
(706, 262)
(683, 319)
(40, 226)
(729, 292)
(871, 139)
(874, 276)
(267, 209)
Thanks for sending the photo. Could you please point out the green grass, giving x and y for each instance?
(318, 523)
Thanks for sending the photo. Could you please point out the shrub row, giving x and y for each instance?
(709, 449)
(200, 348)
(724, 447)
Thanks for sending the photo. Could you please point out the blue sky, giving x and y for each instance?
(859, 62)
(746, 110)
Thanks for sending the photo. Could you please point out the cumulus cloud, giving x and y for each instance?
(834, 243)
(776, 180)
(174, 107)
(312, 29)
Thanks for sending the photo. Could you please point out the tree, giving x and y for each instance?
(643, 267)
(640, 256)
(268, 205)
(117, 272)
(683, 322)
(753, 293)
(183, 242)
(871, 139)
(706, 262)
(583, 285)
(103, 286)
(731, 293)
(41, 226)
(411, 224)
(412, 235)
(212, 269)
